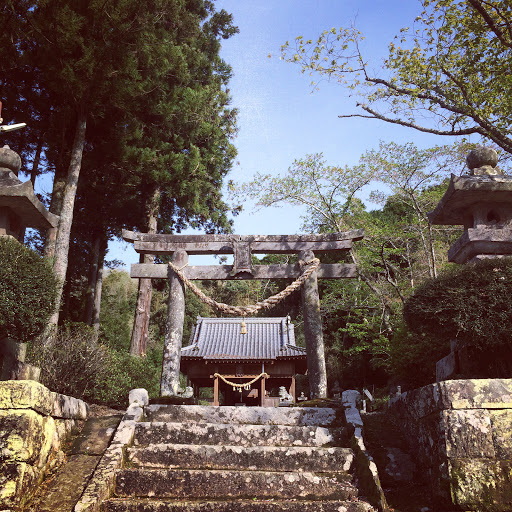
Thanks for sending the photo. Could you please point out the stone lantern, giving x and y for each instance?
(482, 203)
(19, 206)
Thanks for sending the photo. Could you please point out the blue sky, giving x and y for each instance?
(280, 118)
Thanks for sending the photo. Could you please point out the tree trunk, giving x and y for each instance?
(140, 330)
(66, 215)
(98, 289)
(314, 334)
(59, 186)
(93, 274)
(37, 159)
(170, 381)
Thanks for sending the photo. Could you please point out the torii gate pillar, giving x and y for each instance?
(313, 332)
(170, 381)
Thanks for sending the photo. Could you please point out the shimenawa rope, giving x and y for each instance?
(244, 385)
(252, 309)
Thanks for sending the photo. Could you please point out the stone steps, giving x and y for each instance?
(222, 484)
(145, 505)
(296, 416)
(233, 434)
(271, 458)
(227, 459)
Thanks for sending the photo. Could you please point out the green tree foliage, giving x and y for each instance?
(118, 299)
(399, 251)
(134, 95)
(447, 74)
(27, 291)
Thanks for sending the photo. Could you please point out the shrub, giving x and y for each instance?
(74, 364)
(470, 303)
(27, 291)
(414, 357)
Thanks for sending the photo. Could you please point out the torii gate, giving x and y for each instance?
(242, 247)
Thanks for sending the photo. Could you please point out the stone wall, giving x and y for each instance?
(461, 433)
(34, 421)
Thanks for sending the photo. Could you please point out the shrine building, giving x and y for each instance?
(246, 360)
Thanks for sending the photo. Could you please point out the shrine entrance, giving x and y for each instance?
(249, 361)
(306, 273)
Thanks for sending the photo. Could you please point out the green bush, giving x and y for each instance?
(470, 303)
(74, 364)
(27, 291)
(414, 357)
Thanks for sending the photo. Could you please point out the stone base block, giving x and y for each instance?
(481, 484)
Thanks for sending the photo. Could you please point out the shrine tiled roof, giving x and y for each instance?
(222, 339)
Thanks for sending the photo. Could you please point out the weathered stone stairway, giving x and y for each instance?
(237, 459)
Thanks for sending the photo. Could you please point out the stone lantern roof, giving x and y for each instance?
(18, 199)
(482, 203)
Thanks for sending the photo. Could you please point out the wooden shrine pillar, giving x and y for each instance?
(216, 401)
(170, 380)
(262, 390)
(313, 332)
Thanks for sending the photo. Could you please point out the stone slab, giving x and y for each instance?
(28, 394)
(454, 394)
(234, 457)
(15, 480)
(95, 436)
(25, 436)
(238, 435)
(64, 491)
(198, 484)
(236, 506)
(294, 416)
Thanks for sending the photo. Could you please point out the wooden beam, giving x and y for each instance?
(216, 392)
(262, 391)
(132, 236)
(256, 247)
(218, 272)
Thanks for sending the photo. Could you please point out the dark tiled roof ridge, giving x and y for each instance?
(267, 338)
